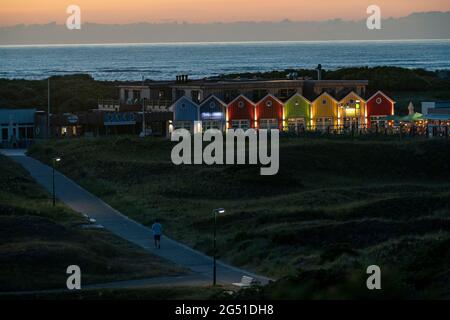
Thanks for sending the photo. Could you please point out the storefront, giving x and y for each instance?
(17, 127)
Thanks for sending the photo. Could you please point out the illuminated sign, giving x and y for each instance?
(212, 115)
(119, 118)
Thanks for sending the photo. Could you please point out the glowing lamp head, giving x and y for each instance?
(220, 211)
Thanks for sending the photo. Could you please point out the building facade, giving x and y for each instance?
(324, 112)
(379, 105)
(17, 127)
(297, 114)
(269, 113)
(352, 112)
(241, 114)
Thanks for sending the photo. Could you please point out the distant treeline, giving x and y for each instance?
(380, 78)
(81, 92)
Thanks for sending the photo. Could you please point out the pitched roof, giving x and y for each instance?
(352, 92)
(297, 95)
(325, 93)
(383, 94)
(241, 96)
(183, 98)
(210, 97)
(269, 95)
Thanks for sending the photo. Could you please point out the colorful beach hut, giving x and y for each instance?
(324, 112)
(213, 113)
(297, 113)
(379, 106)
(241, 113)
(185, 113)
(269, 113)
(352, 112)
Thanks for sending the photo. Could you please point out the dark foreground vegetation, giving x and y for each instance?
(336, 207)
(81, 92)
(157, 293)
(38, 241)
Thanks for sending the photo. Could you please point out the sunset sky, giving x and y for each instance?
(114, 11)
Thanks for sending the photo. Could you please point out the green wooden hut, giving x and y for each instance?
(297, 113)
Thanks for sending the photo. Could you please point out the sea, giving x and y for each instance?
(199, 60)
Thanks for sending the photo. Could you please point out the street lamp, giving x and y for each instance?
(54, 161)
(215, 212)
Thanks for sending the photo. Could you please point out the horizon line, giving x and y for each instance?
(219, 22)
(175, 43)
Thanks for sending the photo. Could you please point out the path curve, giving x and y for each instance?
(86, 203)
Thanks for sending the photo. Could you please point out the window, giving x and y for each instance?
(296, 124)
(195, 95)
(240, 124)
(183, 106)
(285, 93)
(268, 124)
(323, 123)
(188, 125)
(259, 94)
(212, 125)
(5, 134)
(378, 121)
(212, 105)
(351, 122)
(379, 100)
(324, 101)
(241, 104)
(137, 95)
(269, 103)
(126, 95)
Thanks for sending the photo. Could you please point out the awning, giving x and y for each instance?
(443, 117)
(412, 117)
(392, 118)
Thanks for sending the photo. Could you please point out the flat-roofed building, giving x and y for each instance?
(17, 127)
(162, 94)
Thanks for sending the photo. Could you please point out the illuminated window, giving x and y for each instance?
(240, 124)
(268, 124)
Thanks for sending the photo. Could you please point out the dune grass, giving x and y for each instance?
(38, 241)
(336, 203)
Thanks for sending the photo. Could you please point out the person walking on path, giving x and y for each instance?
(157, 233)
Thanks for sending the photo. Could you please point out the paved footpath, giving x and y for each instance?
(84, 202)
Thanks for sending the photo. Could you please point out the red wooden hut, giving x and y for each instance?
(241, 113)
(378, 107)
(269, 113)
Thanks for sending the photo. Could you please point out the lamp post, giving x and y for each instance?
(54, 161)
(215, 212)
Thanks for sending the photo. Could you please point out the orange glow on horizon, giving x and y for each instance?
(203, 11)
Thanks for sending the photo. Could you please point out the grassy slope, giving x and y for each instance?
(334, 204)
(38, 241)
